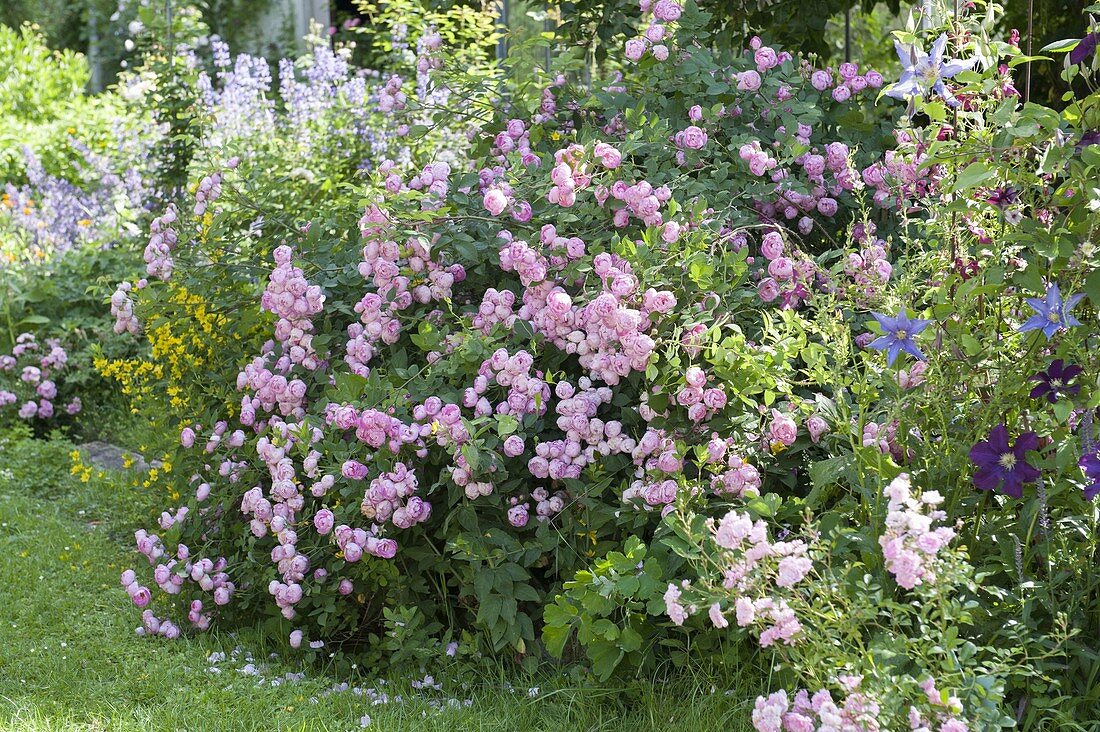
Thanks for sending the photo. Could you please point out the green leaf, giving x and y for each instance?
(1064, 46)
(605, 658)
(974, 174)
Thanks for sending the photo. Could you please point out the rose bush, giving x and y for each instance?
(619, 366)
(457, 409)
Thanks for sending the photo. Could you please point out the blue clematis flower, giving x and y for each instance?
(923, 73)
(1051, 312)
(898, 335)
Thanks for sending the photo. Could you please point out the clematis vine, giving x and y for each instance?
(1052, 313)
(1056, 381)
(1002, 466)
(924, 73)
(898, 333)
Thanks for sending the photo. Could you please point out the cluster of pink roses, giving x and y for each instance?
(290, 297)
(122, 308)
(209, 575)
(701, 401)
(816, 713)
(902, 176)
(35, 389)
(391, 496)
(756, 573)
(390, 97)
(269, 390)
(163, 239)
(735, 477)
(401, 274)
(858, 710)
(208, 191)
(653, 39)
(515, 137)
(571, 174)
(911, 544)
(868, 269)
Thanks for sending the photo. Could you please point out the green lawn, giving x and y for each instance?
(69, 658)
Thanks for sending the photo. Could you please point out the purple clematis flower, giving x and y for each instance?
(898, 336)
(1003, 197)
(1051, 312)
(1092, 137)
(1003, 466)
(1085, 48)
(923, 73)
(1090, 464)
(1056, 381)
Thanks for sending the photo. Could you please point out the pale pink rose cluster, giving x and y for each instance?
(433, 179)
(391, 98)
(356, 542)
(496, 308)
(868, 269)
(39, 365)
(571, 172)
(294, 301)
(269, 391)
(607, 334)
(735, 476)
(151, 625)
(527, 393)
(158, 252)
(884, 436)
(515, 137)
(585, 436)
(903, 174)
(818, 712)
(392, 497)
(845, 82)
(788, 276)
(170, 576)
(676, 611)
(654, 38)
(401, 274)
(207, 192)
(757, 572)
(701, 401)
(911, 543)
(640, 200)
(122, 308)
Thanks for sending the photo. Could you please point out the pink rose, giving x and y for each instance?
(772, 246)
(816, 426)
(748, 81)
(693, 138)
(765, 59)
(513, 446)
(768, 289)
(635, 49)
(495, 201)
(517, 516)
(324, 521)
(821, 80)
(783, 429)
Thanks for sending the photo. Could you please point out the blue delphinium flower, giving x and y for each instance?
(923, 73)
(1051, 312)
(898, 335)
